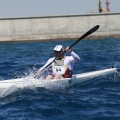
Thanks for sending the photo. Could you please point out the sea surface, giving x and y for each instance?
(97, 99)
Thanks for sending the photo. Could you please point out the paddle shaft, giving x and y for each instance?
(82, 37)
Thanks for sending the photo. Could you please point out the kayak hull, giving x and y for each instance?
(29, 82)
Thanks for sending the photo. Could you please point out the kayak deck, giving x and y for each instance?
(77, 78)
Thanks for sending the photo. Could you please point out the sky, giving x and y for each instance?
(29, 8)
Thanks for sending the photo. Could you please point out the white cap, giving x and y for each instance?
(58, 48)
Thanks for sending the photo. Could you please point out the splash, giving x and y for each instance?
(25, 82)
(8, 87)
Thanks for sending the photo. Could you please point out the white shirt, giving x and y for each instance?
(69, 61)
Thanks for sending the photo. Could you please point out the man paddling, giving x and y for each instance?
(62, 67)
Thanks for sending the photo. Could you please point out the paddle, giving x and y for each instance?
(83, 36)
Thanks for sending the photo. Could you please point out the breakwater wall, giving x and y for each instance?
(58, 27)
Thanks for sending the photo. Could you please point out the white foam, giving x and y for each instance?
(9, 86)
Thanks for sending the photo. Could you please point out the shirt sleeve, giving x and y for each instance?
(75, 57)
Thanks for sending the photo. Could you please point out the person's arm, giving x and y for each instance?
(73, 54)
(41, 70)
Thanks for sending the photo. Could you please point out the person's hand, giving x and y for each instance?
(68, 49)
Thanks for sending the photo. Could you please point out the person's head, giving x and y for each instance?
(59, 49)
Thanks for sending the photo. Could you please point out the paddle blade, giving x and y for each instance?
(85, 35)
(90, 32)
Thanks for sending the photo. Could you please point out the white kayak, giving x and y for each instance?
(30, 82)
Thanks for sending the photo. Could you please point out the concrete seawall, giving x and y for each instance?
(58, 27)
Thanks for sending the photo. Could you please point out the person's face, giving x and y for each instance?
(58, 53)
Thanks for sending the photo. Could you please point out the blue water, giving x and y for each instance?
(98, 99)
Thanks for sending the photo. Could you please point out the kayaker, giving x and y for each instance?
(63, 66)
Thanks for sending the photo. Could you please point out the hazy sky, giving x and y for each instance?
(19, 8)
